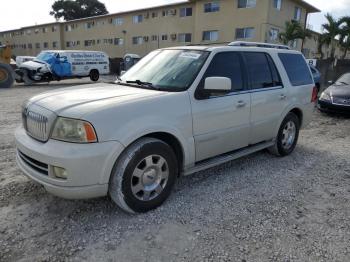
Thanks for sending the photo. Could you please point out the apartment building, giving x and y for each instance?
(184, 23)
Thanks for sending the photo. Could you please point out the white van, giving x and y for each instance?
(58, 65)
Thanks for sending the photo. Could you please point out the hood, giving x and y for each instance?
(341, 91)
(31, 65)
(87, 98)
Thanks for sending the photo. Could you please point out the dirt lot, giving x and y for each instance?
(259, 208)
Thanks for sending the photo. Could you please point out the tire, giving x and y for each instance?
(94, 75)
(26, 79)
(144, 175)
(6, 76)
(287, 137)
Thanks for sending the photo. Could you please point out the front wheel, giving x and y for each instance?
(94, 75)
(287, 137)
(143, 177)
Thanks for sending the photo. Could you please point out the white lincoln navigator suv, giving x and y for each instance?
(178, 111)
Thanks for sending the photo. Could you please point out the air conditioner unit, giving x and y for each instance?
(173, 36)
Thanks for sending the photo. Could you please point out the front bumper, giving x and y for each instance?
(88, 165)
(329, 107)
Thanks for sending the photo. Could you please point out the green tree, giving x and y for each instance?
(344, 40)
(322, 40)
(76, 9)
(332, 30)
(294, 30)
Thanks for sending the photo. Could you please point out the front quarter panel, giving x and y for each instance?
(125, 123)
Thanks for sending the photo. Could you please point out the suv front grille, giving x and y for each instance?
(38, 166)
(36, 125)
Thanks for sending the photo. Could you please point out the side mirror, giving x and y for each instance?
(217, 84)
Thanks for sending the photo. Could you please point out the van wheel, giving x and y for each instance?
(143, 177)
(94, 75)
(287, 137)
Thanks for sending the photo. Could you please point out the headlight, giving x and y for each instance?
(74, 131)
(325, 96)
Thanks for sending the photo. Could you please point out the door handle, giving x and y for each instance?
(241, 103)
(282, 96)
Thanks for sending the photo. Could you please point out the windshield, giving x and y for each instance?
(344, 79)
(45, 56)
(168, 70)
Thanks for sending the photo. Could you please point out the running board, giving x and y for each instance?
(218, 160)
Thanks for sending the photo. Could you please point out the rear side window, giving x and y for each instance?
(297, 70)
(226, 64)
(261, 70)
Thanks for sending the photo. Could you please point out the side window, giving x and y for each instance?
(276, 78)
(262, 73)
(226, 64)
(297, 70)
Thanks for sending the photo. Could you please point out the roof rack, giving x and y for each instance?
(257, 44)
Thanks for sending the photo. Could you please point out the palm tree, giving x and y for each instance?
(294, 30)
(321, 41)
(332, 28)
(345, 35)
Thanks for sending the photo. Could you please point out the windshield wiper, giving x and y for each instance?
(141, 83)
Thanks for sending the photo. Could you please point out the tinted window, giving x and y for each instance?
(260, 74)
(297, 69)
(227, 64)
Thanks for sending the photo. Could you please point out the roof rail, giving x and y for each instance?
(257, 44)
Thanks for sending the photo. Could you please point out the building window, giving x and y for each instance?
(89, 42)
(164, 37)
(54, 44)
(185, 38)
(136, 19)
(68, 44)
(119, 21)
(118, 41)
(210, 35)
(46, 45)
(297, 13)
(37, 45)
(277, 4)
(30, 46)
(246, 3)
(44, 30)
(29, 32)
(185, 11)
(154, 37)
(273, 34)
(170, 12)
(211, 7)
(137, 40)
(154, 14)
(89, 25)
(245, 33)
(36, 31)
(54, 28)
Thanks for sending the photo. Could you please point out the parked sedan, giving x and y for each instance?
(336, 98)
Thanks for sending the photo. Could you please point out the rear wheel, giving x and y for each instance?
(144, 176)
(94, 75)
(287, 137)
(6, 76)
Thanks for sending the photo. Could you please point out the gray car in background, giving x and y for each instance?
(317, 77)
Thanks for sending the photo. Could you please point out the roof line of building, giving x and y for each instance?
(310, 8)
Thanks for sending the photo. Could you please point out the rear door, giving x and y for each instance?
(268, 95)
(221, 122)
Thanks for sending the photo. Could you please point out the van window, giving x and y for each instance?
(226, 64)
(297, 70)
(259, 69)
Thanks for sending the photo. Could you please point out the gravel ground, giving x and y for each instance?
(258, 208)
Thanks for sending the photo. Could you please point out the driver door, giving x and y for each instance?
(221, 123)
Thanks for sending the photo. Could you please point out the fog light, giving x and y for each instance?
(59, 172)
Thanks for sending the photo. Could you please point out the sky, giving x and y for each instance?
(21, 13)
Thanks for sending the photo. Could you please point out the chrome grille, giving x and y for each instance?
(36, 125)
(341, 101)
